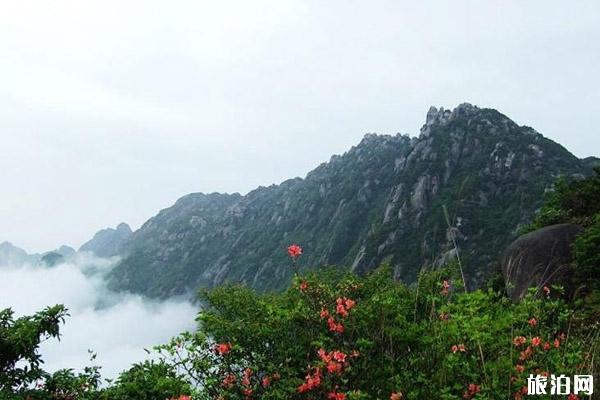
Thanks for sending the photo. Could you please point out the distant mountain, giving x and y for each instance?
(382, 201)
(61, 255)
(14, 256)
(105, 243)
(591, 162)
(66, 251)
(108, 242)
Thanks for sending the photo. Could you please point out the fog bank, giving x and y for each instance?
(118, 327)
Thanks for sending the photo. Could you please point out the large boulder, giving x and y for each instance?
(539, 258)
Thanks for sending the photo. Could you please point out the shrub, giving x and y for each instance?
(574, 202)
(333, 335)
(147, 381)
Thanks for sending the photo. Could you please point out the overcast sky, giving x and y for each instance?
(111, 110)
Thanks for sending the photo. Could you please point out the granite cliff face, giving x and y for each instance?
(382, 201)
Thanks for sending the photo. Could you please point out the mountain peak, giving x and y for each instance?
(123, 227)
(382, 201)
(107, 242)
(11, 255)
(441, 115)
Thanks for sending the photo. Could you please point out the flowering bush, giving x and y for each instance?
(334, 335)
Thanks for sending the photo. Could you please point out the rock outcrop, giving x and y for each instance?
(540, 258)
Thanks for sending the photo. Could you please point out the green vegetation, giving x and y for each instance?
(333, 333)
(147, 381)
(19, 340)
(431, 341)
(22, 375)
(578, 202)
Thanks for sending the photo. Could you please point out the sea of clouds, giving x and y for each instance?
(116, 326)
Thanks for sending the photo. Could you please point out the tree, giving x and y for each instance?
(19, 342)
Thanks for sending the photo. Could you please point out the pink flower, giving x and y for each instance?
(524, 390)
(396, 396)
(547, 346)
(339, 356)
(519, 368)
(341, 310)
(456, 348)
(311, 382)
(349, 303)
(266, 382)
(343, 305)
(324, 313)
(471, 391)
(246, 377)
(532, 322)
(336, 396)
(335, 327)
(228, 381)
(334, 367)
(518, 396)
(536, 341)
(323, 355)
(519, 340)
(445, 287)
(303, 286)
(294, 251)
(223, 348)
(525, 354)
(546, 290)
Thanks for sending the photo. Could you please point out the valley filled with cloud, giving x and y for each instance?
(116, 326)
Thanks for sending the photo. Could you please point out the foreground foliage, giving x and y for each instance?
(22, 375)
(336, 336)
(578, 202)
(333, 335)
(19, 340)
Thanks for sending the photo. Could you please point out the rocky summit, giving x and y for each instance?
(463, 188)
(108, 242)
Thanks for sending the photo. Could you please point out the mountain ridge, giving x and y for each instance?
(380, 201)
